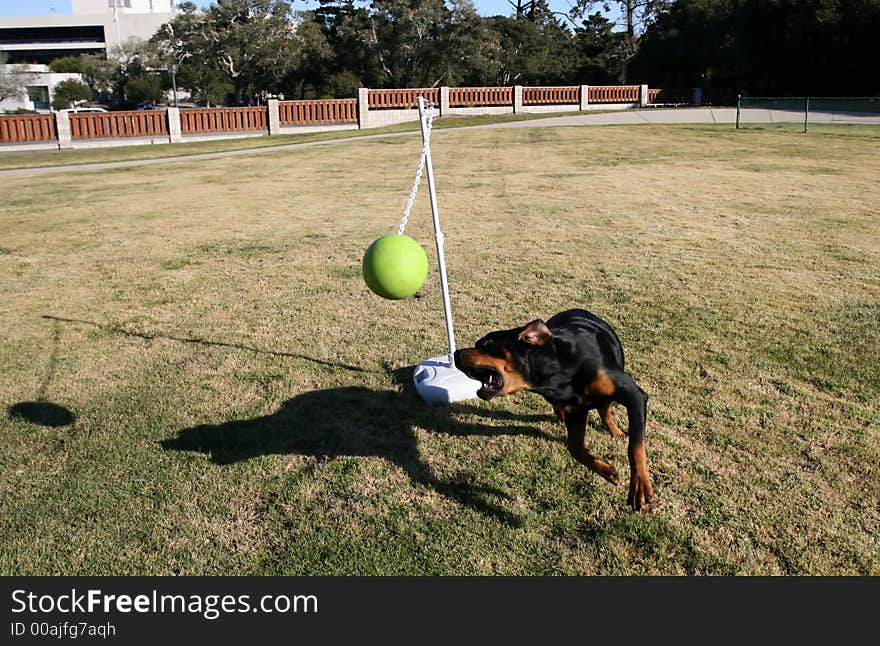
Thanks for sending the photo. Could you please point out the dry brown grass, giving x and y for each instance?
(234, 382)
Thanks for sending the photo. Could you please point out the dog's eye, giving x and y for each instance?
(488, 345)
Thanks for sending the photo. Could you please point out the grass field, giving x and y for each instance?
(241, 399)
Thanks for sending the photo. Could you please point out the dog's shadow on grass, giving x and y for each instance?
(356, 421)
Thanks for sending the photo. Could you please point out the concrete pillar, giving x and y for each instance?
(62, 127)
(585, 97)
(643, 96)
(517, 99)
(274, 117)
(363, 107)
(174, 132)
(444, 100)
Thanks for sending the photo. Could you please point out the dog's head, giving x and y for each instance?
(508, 361)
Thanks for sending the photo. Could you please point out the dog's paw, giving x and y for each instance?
(606, 471)
(641, 494)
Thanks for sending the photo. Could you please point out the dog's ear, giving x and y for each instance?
(535, 333)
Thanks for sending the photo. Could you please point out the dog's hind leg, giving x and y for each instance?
(576, 425)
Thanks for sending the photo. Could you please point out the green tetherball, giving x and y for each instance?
(395, 266)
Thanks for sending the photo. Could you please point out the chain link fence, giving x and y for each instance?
(763, 111)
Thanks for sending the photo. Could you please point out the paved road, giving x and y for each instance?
(623, 117)
(630, 117)
(198, 157)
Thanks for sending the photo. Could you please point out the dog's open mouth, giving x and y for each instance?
(491, 379)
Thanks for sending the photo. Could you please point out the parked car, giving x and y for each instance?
(82, 110)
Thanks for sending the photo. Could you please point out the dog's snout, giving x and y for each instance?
(464, 359)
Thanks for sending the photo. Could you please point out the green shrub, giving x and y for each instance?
(68, 92)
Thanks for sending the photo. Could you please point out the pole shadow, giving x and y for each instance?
(113, 329)
(350, 422)
(41, 411)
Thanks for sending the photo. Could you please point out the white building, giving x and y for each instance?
(92, 27)
(37, 84)
(94, 7)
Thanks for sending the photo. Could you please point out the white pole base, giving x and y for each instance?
(438, 382)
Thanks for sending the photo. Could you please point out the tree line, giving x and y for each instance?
(247, 48)
(240, 51)
(764, 47)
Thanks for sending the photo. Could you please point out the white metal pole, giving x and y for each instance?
(438, 234)
(116, 22)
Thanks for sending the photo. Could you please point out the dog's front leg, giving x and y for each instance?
(575, 421)
(635, 399)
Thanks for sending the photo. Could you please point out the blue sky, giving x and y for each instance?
(44, 7)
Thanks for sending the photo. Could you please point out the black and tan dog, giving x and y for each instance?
(575, 361)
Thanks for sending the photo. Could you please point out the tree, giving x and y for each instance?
(136, 80)
(764, 47)
(419, 43)
(206, 85)
(128, 76)
(314, 71)
(407, 39)
(635, 17)
(534, 52)
(601, 51)
(809, 46)
(472, 53)
(69, 92)
(394, 43)
(177, 45)
(67, 65)
(249, 42)
(534, 10)
(338, 48)
(10, 83)
(97, 71)
(169, 53)
(145, 89)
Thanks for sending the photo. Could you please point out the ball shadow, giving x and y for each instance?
(42, 412)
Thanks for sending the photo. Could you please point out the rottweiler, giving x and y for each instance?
(575, 361)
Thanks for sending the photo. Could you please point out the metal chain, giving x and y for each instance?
(415, 188)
